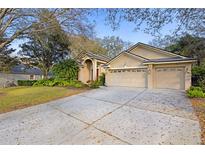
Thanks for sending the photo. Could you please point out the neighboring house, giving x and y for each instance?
(146, 66)
(20, 72)
(91, 66)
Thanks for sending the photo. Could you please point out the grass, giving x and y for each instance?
(21, 97)
(199, 107)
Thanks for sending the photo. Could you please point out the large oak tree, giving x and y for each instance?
(29, 23)
(17, 23)
(153, 20)
(44, 48)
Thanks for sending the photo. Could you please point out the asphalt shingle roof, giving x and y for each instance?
(95, 56)
(172, 59)
(23, 69)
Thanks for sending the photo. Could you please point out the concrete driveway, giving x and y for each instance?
(109, 115)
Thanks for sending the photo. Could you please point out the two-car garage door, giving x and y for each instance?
(164, 78)
(127, 77)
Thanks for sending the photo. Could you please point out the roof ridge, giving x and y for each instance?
(98, 54)
(169, 60)
(151, 46)
(92, 53)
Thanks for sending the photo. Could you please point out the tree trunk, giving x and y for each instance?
(45, 74)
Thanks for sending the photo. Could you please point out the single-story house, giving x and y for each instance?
(20, 72)
(141, 65)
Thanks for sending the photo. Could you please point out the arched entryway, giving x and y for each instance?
(90, 68)
(86, 71)
(88, 65)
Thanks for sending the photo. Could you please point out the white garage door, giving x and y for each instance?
(170, 78)
(127, 77)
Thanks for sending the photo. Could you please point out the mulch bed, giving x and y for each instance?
(199, 107)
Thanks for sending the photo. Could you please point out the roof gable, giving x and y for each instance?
(126, 60)
(139, 58)
(92, 55)
(151, 52)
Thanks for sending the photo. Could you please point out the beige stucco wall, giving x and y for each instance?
(125, 60)
(89, 71)
(150, 54)
(84, 73)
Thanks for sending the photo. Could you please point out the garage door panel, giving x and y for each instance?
(129, 78)
(171, 78)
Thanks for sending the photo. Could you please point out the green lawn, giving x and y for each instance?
(21, 97)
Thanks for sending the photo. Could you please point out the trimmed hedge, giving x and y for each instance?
(195, 92)
(59, 82)
(26, 82)
(51, 83)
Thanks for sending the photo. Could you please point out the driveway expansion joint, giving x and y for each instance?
(103, 131)
(88, 125)
(92, 124)
(118, 107)
(101, 100)
(69, 115)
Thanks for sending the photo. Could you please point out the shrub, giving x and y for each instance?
(43, 82)
(202, 84)
(195, 88)
(198, 75)
(102, 79)
(66, 69)
(26, 82)
(99, 82)
(59, 82)
(95, 84)
(198, 70)
(195, 92)
(76, 84)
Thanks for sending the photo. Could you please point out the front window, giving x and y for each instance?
(32, 77)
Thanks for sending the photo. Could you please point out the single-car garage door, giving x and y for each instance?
(170, 77)
(127, 77)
